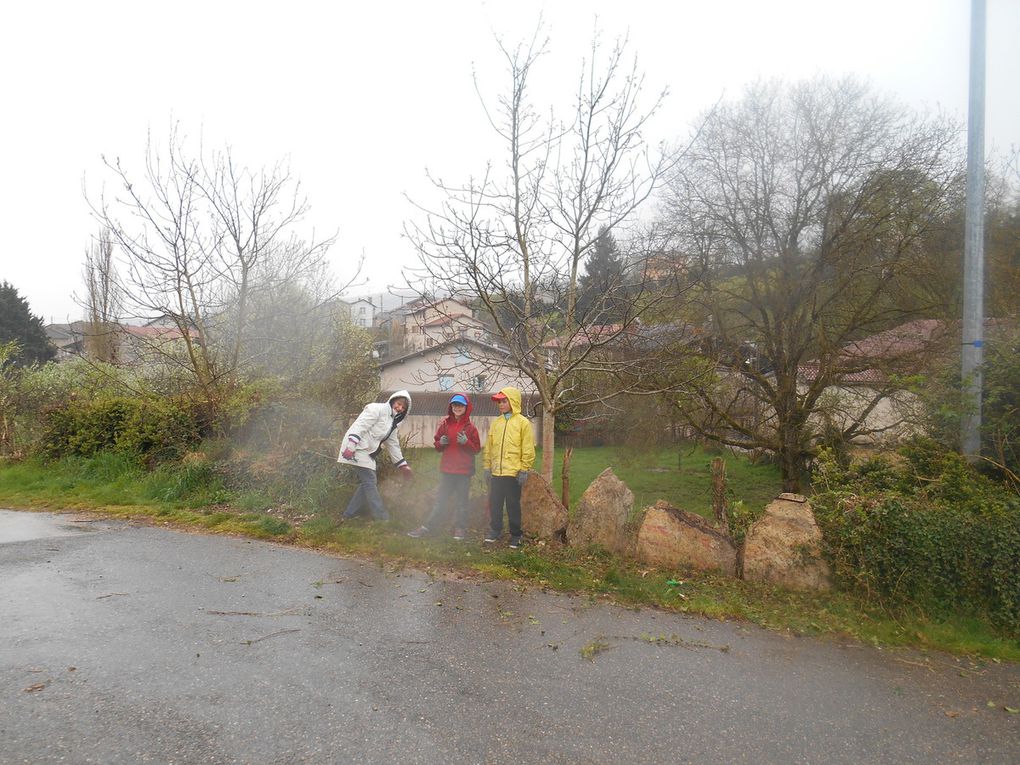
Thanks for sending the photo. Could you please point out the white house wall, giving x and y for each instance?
(424, 372)
(894, 418)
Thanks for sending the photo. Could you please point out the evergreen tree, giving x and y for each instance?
(601, 283)
(18, 324)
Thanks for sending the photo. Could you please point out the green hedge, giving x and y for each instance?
(156, 430)
(924, 530)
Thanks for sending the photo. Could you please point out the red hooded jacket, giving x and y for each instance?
(458, 458)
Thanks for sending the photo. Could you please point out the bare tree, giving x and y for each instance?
(809, 208)
(199, 238)
(103, 300)
(513, 240)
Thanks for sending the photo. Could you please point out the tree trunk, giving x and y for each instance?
(719, 492)
(790, 464)
(548, 442)
(565, 477)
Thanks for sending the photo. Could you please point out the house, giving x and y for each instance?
(362, 312)
(428, 323)
(863, 382)
(150, 344)
(68, 339)
(433, 374)
(126, 344)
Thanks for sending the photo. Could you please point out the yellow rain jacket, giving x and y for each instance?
(510, 447)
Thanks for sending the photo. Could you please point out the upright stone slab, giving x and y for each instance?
(602, 513)
(542, 515)
(784, 547)
(669, 536)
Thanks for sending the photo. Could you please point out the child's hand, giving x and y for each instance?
(462, 438)
(444, 440)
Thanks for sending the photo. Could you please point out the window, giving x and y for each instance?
(446, 382)
(479, 383)
(462, 355)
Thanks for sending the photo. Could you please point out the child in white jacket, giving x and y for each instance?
(375, 427)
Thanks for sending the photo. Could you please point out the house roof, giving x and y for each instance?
(441, 347)
(809, 373)
(460, 318)
(155, 333)
(593, 333)
(907, 346)
(912, 337)
(423, 304)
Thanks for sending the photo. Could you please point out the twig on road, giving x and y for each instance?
(266, 637)
(287, 612)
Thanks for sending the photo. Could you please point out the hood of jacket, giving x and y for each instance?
(467, 412)
(514, 397)
(406, 412)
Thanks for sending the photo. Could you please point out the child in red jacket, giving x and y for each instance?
(457, 438)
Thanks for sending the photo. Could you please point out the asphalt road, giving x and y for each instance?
(133, 644)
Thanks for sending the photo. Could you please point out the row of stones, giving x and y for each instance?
(783, 547)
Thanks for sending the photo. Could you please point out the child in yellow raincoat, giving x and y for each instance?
(507, 458)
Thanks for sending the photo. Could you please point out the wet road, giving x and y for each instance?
(132, 644)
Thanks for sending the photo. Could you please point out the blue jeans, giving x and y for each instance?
(455, 488)
(367, 494)
(505, 490)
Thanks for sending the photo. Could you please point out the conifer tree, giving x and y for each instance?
(19, 324)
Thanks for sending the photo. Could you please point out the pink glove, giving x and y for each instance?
(348, 451)
(406, 471)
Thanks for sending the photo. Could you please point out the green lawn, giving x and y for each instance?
(680, 475)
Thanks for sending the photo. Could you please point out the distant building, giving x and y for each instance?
(68, 339)
(362, 312)
(129, 345)
(429, 323)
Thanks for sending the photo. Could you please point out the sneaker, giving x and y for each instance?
(459, 535)
(419, 532)
(491, 537)
(516, 542)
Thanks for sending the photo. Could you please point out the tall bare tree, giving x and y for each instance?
(199, 236)
(809, 207)
(514, 239)
(103, 300)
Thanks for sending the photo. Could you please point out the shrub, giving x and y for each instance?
(153, 430)
(925, 529)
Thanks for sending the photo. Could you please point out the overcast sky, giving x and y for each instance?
(361, 99)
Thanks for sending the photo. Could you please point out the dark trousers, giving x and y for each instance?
(453, 489)
(504, 490)
(367, 496)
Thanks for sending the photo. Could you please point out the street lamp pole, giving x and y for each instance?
(972, 354)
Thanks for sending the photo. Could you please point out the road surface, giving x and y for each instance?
(124, 643)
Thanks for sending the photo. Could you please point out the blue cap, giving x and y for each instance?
(458, 399)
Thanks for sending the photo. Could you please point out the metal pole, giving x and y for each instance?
(973, 249)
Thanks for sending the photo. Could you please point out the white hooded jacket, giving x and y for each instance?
(375, 427)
